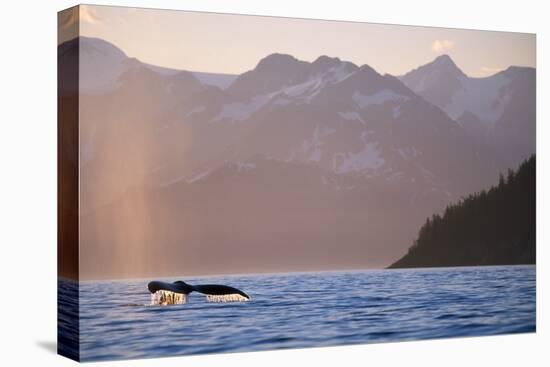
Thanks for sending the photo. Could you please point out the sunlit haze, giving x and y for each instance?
(233, 44)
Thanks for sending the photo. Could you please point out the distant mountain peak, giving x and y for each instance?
(277, 62)
(444, 62)
(326, 61)
(277, 71)
(368, 69)
(91, 47)
(515, 71)
(100, 62)
(102, 46)
(444, 59)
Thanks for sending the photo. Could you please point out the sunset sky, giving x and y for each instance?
(157, 151)
(233, 44)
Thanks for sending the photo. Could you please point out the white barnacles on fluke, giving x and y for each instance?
(163, 298)
(163, 293)
(235, 297)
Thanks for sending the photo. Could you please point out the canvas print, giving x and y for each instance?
(234, 183)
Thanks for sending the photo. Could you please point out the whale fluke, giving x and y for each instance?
(176, 287)
(221, 293)
(163, 293)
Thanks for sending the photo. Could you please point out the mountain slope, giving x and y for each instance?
(293, 157)
(498, 111)
(328, 112)
(437, 81)
(339, 116)
(103, 63)
(442, 83)
(494, 227)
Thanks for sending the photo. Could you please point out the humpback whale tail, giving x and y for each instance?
(163, 293)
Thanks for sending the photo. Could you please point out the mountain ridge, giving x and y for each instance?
(327, 131)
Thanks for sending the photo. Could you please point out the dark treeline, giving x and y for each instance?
(494, 227)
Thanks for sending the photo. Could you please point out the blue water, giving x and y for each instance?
(307, 310)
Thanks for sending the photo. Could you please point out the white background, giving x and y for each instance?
(28, 182)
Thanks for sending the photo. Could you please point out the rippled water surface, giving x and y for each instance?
(306, 310)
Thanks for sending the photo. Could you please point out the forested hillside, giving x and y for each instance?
(493, 227)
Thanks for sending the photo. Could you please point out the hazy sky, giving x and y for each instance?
(235, 43)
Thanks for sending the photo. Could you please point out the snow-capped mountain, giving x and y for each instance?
(292, 139)
(498, 110)
(279, 73)
(101, 64)
(344, 118)
(437, 82)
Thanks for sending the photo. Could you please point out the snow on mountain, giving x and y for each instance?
(222, 81)
(483, 97)
(352, 116)
(280, 73)
(442, 83)
(312, 148)
(344, 119)
(441, 71)
(376, 98)
(483, 106)
(219, 80)
(239, 111)
(369, 157)
(102, 63)
(304, 152)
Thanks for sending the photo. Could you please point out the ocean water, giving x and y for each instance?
(307, 310)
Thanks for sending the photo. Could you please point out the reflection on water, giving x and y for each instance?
(307, 310)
